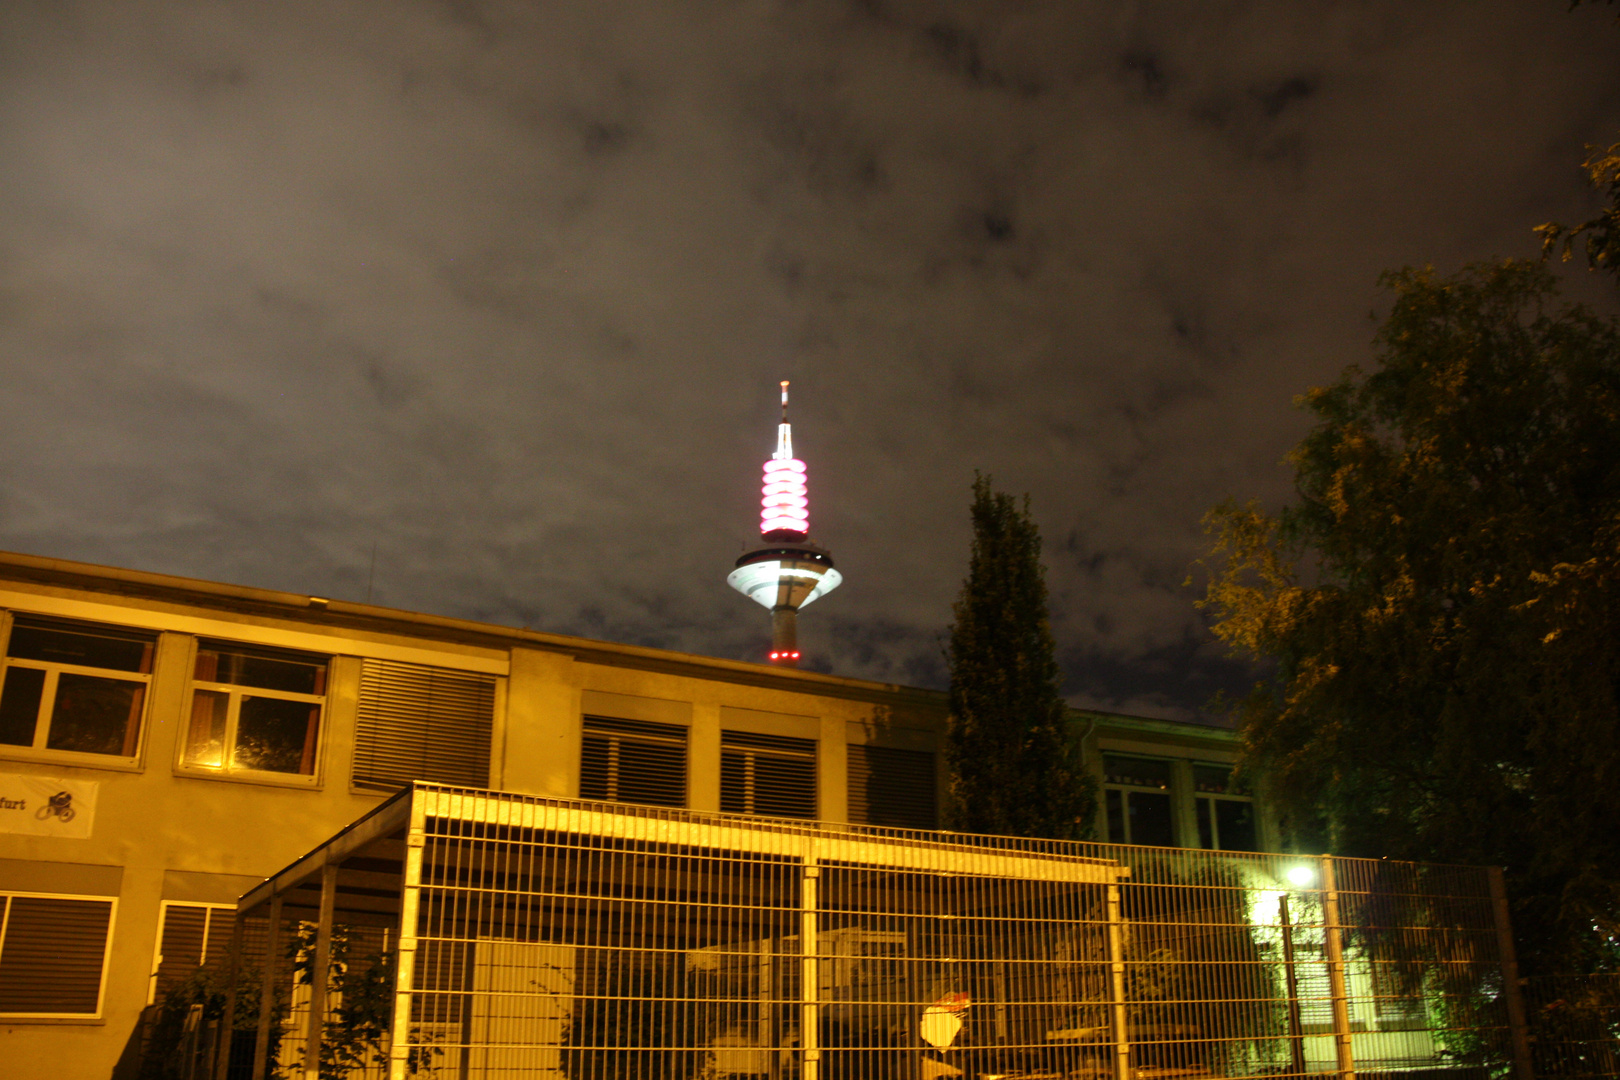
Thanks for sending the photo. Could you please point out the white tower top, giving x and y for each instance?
(784, 432)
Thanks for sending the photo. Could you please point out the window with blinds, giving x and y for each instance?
(53, 952)
(894, 788)
(422, 723)
(772, 775)
(192, 936)
(633, 761)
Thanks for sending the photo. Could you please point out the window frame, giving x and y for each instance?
(209, 911)
(862, 764)
(39, 750)
(615, 742)
(380, 679)
(736, 743)
(228, 771)
(1125, 790)
(97, 1017)
(1212, 797)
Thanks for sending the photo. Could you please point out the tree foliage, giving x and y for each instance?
(1014, 761)
(1602, 233)
(1441, 604)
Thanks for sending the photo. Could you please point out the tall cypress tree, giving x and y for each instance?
(1015, 763)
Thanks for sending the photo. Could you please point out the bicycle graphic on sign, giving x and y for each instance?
(58, 805)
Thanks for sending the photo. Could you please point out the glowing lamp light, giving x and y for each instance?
(1301, 877)
(783, 654)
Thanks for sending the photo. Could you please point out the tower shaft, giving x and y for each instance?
(785, 636)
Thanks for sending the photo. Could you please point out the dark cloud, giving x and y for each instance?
(501, 291)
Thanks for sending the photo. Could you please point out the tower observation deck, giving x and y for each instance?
(789, 571)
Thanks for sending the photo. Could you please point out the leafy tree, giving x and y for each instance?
(1602, 243)
(1014, 761)
(357, 1034)
(1441, 604)
(162, 1056)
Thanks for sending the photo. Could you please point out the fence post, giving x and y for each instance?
(315, 1028)
(267, 989)
(410, 900)
(1510, 975)
(809, 985)
(1334, 933)
(1116, 984)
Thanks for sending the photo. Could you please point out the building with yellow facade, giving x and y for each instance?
(166, 744)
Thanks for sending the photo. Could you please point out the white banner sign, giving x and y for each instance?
(47, 805)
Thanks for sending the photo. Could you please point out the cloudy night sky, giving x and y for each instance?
(501, 291)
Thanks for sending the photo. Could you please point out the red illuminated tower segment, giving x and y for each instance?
(790, 571)
(785, 503)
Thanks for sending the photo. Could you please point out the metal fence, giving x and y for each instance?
(1576, 1022)
(464, 934)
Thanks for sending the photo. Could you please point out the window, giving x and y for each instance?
(255, 710)
(60, 692)
(422, 723)
(633, 761)
(892, 787)
(53, 953)
(772, 775)
(189, 936)
(1225, 814)
(192, 936)
(1136, 798)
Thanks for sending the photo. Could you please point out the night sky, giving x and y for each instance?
(502, 291)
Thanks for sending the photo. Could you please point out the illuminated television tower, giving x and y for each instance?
(789, 571)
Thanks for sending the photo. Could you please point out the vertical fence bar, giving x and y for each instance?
(267, 991)
(399, 1049)
(809, 987)
(1116, 986)
(1334, 933)
(1511, 990)
(316, 1022)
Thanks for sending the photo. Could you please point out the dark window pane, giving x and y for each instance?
(1150, 819)
(1116, 815)
(1139, 772)
(93, 715)
(1212, 778)
(275, 735)
(1235, 820)
(1206, 824)
(88, 646)
(290, 672)
(19, 705)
